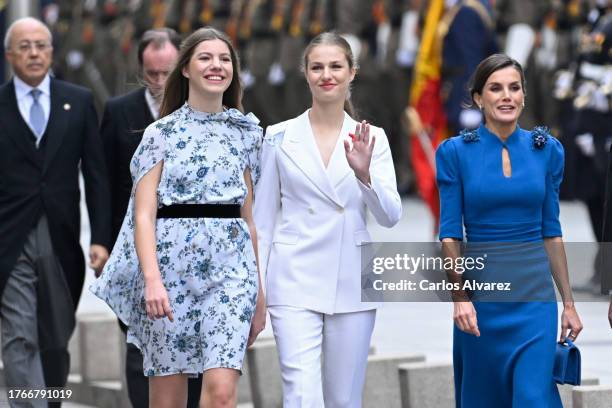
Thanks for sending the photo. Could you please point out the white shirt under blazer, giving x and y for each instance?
(310, 255)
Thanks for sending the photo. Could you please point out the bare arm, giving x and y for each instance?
(258, 322)
(145, 216)
(558, 265)
(464, 314)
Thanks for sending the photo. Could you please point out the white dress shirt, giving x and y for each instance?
(154, 106)
(25, 100)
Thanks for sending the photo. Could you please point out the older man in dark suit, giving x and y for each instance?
(123, 124)
(48, 130)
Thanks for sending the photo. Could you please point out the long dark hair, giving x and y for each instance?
(176, 91)
(487, 67)
(333, 38)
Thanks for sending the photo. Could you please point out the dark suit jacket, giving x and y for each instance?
(34, 181)
(123, 123)
(469, 40)
(606, 255)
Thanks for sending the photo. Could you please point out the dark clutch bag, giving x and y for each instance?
(567, 363)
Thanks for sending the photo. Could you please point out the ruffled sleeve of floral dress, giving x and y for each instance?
(252, 138)
(119, 284)
(151, 150)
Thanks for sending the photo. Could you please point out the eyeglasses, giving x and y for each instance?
(27, 46)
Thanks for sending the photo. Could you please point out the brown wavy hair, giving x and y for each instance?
(176, 91)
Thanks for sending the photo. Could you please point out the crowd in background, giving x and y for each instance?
(95, 46)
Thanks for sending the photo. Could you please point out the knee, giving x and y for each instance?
(341, 401)
(221, 394)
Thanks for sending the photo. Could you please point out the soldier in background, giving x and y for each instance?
(522, 25)
(95, 43)
(296, 31)
(468, 38)
(186, 16)
(570, 16)
(593, 133)
(593, 116)
(605, 269)
(372, 28)
(396, 48)
(264, 98)
(356, 23)
(82, 55)
(606, 245)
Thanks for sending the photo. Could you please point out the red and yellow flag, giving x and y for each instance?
(426, 112)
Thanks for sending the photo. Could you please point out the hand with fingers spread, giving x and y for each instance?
(570, 321)
(464, 316)
(360, 155)
(156, 300)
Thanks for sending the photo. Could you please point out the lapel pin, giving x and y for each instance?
(66, 106)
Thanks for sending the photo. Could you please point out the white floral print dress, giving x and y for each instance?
(207, 264)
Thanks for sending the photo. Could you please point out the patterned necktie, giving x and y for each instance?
(37, 116)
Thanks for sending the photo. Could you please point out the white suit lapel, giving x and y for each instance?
(300, 146)
(338, 168)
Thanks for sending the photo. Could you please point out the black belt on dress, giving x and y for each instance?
(199, 211)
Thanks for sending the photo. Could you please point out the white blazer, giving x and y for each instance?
(311, 221)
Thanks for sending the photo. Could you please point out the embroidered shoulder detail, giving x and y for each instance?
(469, 136)
(539, 135)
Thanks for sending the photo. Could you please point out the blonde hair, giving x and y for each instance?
(333, 38)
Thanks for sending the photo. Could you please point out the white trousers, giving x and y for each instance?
(336, 381)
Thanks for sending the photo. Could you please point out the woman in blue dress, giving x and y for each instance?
(183, 274)
(502, 183)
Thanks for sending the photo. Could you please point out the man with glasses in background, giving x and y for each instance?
(48, 131)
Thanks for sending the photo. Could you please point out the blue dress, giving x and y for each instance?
(207, 264)
(511, 363)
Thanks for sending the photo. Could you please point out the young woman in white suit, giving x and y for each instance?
(320, 172)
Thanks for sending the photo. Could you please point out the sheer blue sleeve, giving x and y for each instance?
(253, 143)
(554, 175)
(448, 178)
(150, 151)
